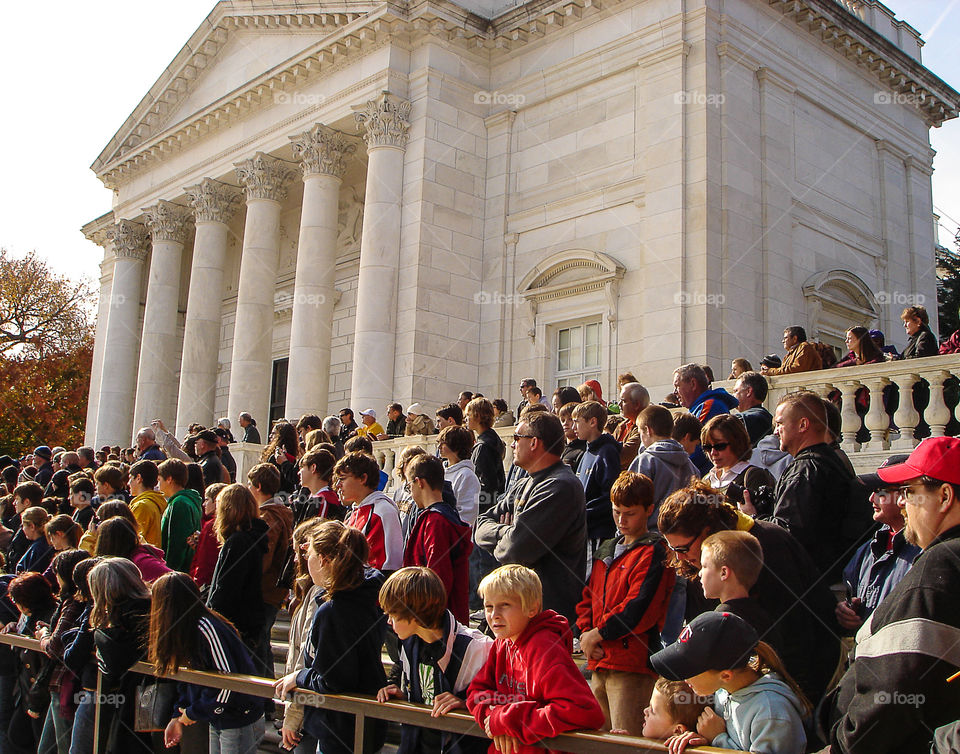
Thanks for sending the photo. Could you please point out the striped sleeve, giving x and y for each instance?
(217, 652)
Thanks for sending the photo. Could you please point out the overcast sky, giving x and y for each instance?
(76, 71)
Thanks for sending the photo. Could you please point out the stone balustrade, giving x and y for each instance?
(891, 430)
(388, 451)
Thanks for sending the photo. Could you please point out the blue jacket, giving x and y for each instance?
(37, 557)
(874, 570)
(598, 470)
(765, 717)
(712, 403)
(343, 656)
(220, 651)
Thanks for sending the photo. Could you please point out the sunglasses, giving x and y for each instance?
(716, 446)
(682, 549)
(529, 437)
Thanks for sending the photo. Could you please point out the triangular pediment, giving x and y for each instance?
(233, 47)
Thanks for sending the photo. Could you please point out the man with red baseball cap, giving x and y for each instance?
(896, 693)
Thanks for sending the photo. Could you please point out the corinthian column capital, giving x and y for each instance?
(129, 240)
(321, 150)
(168, 222)
(264, 177)
(385, 120)
(212, 201)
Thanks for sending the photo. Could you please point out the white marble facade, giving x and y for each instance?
(410, 199)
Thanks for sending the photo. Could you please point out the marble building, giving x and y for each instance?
(327, 204)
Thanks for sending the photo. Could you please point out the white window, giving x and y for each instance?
(577, 354)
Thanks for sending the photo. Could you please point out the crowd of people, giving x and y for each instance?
(661, 570)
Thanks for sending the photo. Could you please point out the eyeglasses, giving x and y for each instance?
(707, 448)
(907, 492)
(683, 549)
(529, 437)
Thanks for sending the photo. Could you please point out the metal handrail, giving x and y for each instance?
(398, 712)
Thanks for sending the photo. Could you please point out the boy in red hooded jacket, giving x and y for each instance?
(624, 606)
(529, 688)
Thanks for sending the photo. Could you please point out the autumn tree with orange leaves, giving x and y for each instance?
(46, 352)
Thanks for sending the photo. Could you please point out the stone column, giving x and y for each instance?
(264, 179)
(103, 312)
(213, 205)
(122, 342)
(168, 225)
(321, 151)
(386, 126)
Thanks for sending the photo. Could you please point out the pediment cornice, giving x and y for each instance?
(355, 28)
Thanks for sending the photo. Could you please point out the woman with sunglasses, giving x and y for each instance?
(789, 588)
(726, 443)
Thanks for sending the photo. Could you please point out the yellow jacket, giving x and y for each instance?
(148, 508)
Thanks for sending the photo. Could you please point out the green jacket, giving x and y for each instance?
(180, 520)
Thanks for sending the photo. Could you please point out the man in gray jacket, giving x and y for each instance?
(540, 522)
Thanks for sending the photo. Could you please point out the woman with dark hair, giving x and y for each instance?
(59, 487)
(725, 442)
(789, 587)
(58, 722)
(32, 595)
(236, 590)
(861, 349)
(283, 451)
(117, 538)
(186, 633)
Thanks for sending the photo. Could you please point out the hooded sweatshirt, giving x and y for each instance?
(768, 455)
(343, 657)
(598, 470)
(148, 508)
(378, 517)
(765, 717)
(466, 487)
(531, 688)
(668, 466)
(442, 542)
(180, 519)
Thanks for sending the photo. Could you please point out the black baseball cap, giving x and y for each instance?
(207, 435)
(873, 482)
(711, 641)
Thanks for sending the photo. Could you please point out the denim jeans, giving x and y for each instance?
(55, 738)
(81, 741)
(243, 740)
